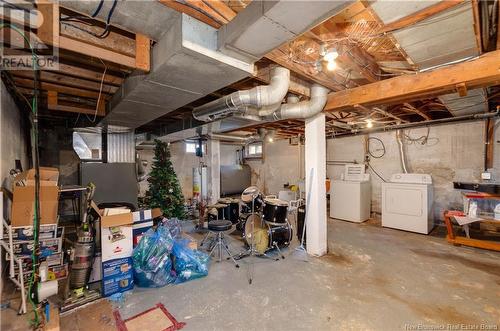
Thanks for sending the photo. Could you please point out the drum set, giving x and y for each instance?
(263, 221)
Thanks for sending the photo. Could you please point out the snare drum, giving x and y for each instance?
(275, 210)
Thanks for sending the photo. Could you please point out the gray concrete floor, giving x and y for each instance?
(373, 279)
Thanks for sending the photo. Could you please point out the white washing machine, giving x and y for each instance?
(350, 199)
(407, 202)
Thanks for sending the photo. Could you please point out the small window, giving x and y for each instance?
(254, 150)
(191, 147)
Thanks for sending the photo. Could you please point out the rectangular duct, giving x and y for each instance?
(185, 66)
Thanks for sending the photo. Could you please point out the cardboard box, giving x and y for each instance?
(47, 231)
(116, 242)
(143, 221)
(58, 272)
(48, 177)
(47, 247)
(52, 260)
(23, 202)
(116, 250)
(117, 276)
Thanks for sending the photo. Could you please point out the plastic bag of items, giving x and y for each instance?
(189, 264)
(174, 226)
(151, 259)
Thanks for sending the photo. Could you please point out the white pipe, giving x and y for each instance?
(304, 109)
(402, 153)
(268, 96)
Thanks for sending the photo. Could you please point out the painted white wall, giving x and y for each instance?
(13, 141)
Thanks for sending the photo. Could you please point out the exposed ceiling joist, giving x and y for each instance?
(321, 78)
(193, 12)
(355, 58)
(382, 112)
(411, 108)
(481, 72)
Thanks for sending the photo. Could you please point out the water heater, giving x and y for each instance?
(200, 182)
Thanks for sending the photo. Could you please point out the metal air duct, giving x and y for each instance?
(304, 109)
(257, 98)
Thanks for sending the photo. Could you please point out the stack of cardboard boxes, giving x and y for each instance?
(120, 229)
(23, 211)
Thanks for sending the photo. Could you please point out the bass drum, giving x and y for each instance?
(256, 233)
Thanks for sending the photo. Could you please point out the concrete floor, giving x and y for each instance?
(373, 279)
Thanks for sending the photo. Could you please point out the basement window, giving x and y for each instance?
(191, 147)
(254, 150)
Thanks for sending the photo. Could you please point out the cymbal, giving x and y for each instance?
(250, 193)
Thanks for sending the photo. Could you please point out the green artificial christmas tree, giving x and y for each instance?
(164, 189)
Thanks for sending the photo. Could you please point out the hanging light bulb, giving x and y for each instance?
(331, 65)
(331, 55)
(369, 123)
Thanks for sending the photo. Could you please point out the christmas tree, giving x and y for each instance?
(164, 189)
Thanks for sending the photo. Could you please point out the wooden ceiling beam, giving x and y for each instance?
(50, 33)
(223, 9)
(421, 15)
(53, 104)
(191, 12)
(481, 72)
(28, 83)
(59, 79)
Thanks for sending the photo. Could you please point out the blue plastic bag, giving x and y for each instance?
(189, 264)
(151, 259)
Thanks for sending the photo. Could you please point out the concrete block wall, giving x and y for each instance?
(13, 139)
(279, 166)
(454, 152)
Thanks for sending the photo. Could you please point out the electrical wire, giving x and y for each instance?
(84, 20)
(100, 92)
(14, 6)
(381, 144)
(375, 172)
(34, 134)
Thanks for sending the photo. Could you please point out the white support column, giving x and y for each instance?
(315, 158)
(214, 170)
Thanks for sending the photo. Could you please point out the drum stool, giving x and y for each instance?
(218, 227)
